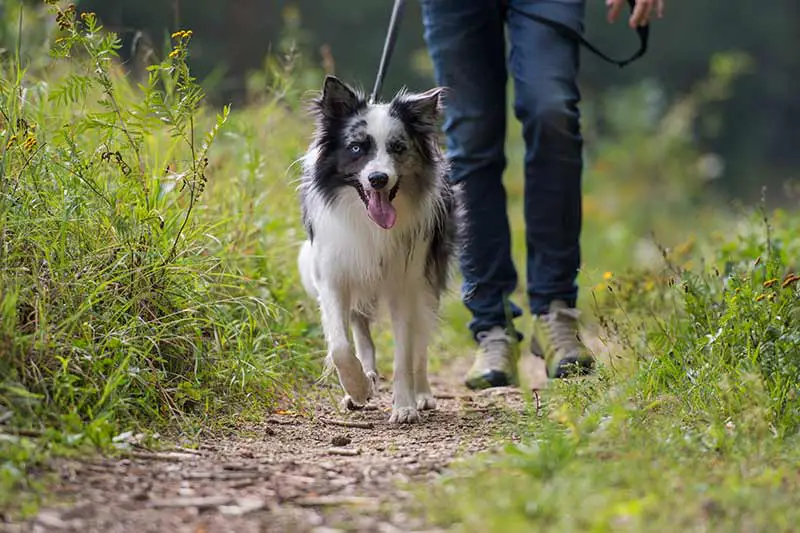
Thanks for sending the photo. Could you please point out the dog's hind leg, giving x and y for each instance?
(335, 310)
(365, 347)
(305, 265)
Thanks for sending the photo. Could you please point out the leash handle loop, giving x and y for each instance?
(569, 33)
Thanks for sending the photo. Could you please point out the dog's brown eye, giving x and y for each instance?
(397, 148)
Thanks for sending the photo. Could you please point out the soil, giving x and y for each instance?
(293, 473)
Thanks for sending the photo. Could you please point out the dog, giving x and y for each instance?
(382, 223)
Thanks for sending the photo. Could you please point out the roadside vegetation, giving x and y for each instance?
(147, 279)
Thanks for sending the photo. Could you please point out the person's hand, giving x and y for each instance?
(641, 13)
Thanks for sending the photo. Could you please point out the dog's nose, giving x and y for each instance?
(378, 180)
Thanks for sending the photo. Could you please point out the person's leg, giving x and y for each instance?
(466, 43)
(544, 66)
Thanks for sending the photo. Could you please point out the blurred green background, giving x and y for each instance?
(750, 132)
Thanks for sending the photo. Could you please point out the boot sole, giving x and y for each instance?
(495, 378)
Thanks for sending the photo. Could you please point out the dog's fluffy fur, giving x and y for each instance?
(382, 225)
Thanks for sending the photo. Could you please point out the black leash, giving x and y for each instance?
(388, 47)
(562, 29)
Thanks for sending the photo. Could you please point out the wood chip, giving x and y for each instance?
(500, 391)
(348, 423)
(51, 520)
(341, 440)
(200, 502)
(344, 451)
(243, 506)
(297, 479)
(445, 396)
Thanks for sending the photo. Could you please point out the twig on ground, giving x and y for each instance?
(538, 402)
(335, 500)
(348, 424)
(163, 456)
(32, 433)
(200, 502)
(188, 450)
(349, 452)
(227, 476)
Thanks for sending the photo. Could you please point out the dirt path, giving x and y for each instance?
(289, 473)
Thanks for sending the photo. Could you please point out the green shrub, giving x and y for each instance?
(131, 288)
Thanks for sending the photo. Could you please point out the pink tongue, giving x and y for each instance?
(380, 210)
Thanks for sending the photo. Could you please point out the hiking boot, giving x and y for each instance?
(493, 366)
(557, 341)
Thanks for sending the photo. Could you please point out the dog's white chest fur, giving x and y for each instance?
(373, 263)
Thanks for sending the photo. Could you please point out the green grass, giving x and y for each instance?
(148, 283)
(692, 421)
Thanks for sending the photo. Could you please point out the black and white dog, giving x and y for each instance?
(382, 225)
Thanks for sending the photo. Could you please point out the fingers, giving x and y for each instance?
(638, 17)
(614, 7)
(643, 10)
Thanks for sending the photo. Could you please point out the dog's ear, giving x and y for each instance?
(425, 106)
(337, 100)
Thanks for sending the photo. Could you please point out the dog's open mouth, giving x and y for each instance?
(379, 205)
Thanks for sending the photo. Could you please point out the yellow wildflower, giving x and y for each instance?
(30, 143)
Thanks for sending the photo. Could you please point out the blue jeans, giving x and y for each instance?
(467, 44)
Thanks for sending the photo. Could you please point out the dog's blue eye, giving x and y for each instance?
(355, 148)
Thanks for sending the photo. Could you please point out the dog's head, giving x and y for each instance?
(381, 152)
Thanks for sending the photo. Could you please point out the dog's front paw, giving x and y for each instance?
(426, 401)
(404, 415)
